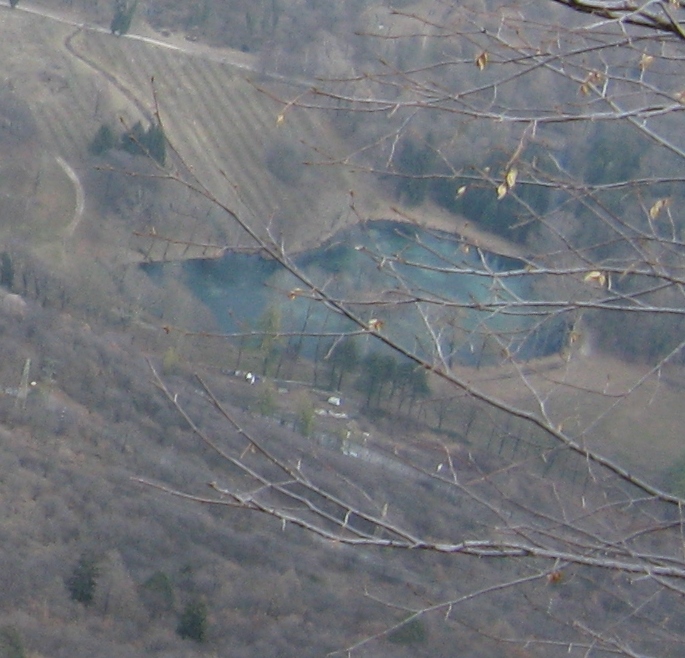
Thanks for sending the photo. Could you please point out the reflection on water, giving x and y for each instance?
(385, 262)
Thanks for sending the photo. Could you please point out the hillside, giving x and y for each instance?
(220, 125)
(93, 419)
(83, 422)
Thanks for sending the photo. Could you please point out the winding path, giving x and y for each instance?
(123, 89)
(230, 56)
(80, 196)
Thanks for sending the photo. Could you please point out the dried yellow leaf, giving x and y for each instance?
(600, 278)
(482, 60)
(510, 178)
(502, 191)
(595, 77)
(658, 206)
(645, 61)
(461, 190)
(280, 119)
(554, 577)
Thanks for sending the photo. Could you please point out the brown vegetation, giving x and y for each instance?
(83, 418)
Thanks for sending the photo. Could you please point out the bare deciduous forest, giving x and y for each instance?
(341, 328)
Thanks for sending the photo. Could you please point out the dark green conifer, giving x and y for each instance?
(192, 624)
(83, 579)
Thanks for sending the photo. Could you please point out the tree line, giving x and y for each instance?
(137, 140)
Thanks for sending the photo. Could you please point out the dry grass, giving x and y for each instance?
(625, 411)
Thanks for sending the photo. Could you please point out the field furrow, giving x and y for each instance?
(221, 126)
(57, 126)
(235, 139)
(258, 109)
(186, 89)
(198, 143)
(262, 113)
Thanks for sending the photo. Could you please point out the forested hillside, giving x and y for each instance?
(382, 460)
(90, 423)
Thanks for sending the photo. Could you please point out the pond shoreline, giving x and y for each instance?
(427, 217)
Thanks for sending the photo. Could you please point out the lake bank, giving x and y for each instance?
(370, 263)
(154, 247)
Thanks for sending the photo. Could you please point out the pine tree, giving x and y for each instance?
(157, 593)
(103, 141)
(133, 140)
(83, 579)
(6, 271)
(123, 16)
(155, 143)
(192, 624)
(150, 142)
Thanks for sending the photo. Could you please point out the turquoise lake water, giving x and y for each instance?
(385, 261)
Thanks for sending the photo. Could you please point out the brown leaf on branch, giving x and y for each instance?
(658, 206)
(646, 61)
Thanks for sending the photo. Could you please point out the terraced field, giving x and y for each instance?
(225, 130)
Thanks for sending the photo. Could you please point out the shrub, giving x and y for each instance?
(158, 593)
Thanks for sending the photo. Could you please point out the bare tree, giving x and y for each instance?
(540, 146)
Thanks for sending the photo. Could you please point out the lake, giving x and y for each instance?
(380, 266)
